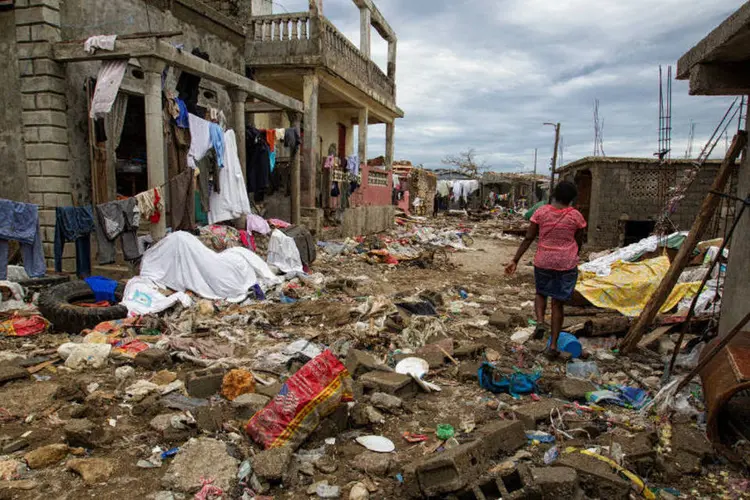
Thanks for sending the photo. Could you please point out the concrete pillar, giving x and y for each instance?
(296, 212)
(310, 143)
(392, 49)
(239, 98)
(365, 24)
(154, 133)
(736, 288)
(364, 115)
(390, 128)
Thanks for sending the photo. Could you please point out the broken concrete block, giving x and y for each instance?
(370, 462)
(500, 320)
(451, 470)
(503, 436)
(269, 391)
(204, 383)
(362, 415)
(596, 477)
(469, 371)
(468, 351)
(12, 371)
(83, 433)
(92, 470)
(573, 389)
(247, 405)
(360, 362)
(556, 482)
(153, 359)
(532, 413)
(46, 456)
(271, 465)
(392, 383)
(386, 401)
(434, 353)
(200, 458)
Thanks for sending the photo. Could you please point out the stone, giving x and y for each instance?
(163, 377)
(386, 401)
(433, 353)
(72, 391)
(469, 371)
(332, 425)
(270, 391)
(247, 405)
(538, 411)
(14, 446)
(359, 492)
(148, 406)
(124, 373)
(374, 463)
(153, 359)
(556, 482)
(502, 437)
(12, 371)
(84, 433)
(200, 458)
(363, 415)
(46, 456)
(204, 383)
(326, 465)
(468, 351)
(162, 423)
(360, 362)
(391, 383)
(272, 464)
(307, 468)
(9, 469)
(689, 448)
(92, 470)
(501, 320)
(12, 486)
(596, 477)
(573, 389)
(209, 418)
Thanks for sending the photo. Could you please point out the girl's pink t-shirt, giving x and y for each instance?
(557, 249)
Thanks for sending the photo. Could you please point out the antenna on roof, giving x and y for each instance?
(691, 140)
(598, 131)
(665, 116)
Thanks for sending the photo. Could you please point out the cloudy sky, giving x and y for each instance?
(485, 74)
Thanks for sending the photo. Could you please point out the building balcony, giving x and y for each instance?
(308, 40)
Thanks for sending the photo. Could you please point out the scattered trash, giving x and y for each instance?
(444, 432)
(414, 438)
(417, 368)
(585, 370)
(569, 343)
(517, 383)
(540, 437)
(378, 444)
(551, 455)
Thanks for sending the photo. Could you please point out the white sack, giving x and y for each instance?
(142, 296)
(283, 253)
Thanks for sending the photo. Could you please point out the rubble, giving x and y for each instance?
(46, 456)
(198, 459)
(92, 470)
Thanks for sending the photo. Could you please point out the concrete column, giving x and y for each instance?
(296, 212)
(390, 128)
(154, 133)
(239, 97)
(310, 142)
(365, 24)
(364, 114)
(392, 59)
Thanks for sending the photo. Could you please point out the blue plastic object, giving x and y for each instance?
(103, 288)
(567, 342)
(516, 383)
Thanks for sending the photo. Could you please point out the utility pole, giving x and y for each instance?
(533, 182)
(554, 159)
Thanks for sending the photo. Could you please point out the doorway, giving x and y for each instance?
(636, 230)
(131, 173)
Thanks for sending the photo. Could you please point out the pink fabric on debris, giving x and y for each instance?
(279, 223)
(258, 224)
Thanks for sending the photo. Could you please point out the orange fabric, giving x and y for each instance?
(271, 140)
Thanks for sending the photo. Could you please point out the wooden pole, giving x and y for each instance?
(296, 195)
(532, 201)
(554, 161)
(686, 250)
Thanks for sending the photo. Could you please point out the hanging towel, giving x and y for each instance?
(108, 82)
(200, 139)
(217, 140)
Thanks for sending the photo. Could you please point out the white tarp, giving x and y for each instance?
(142, 296)
(283, 253)
(232, 202)
(181, 262)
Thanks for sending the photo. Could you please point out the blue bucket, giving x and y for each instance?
(567, 342)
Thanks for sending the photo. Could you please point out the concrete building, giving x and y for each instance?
(621, 198)
(515, 188)
(297, 69)
(717, 65)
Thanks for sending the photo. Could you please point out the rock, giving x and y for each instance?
(163, 377)
(652, 383)
(386, 401)
(269, 391)
(469, 371)
(596, 477)
(470, 350)
(359, 492)
(360, 362)
(500, 319)
(328, 490)
(573, 389)
(307, 468)
(82, 356)
(124, 373)
(12, 486)
(12, 371)
(247, 405)
(148, 406)
(84, 433)
(209, 418)
(153, 359)
(538, 411)
(326, 465)
(370, 462)
(14, 446)
(364, 415)
(200, 458)
(9, 469)
(72, 391)
(162, 423)
(92, 470)
(272, 464)
(392, 383)
(237, 383)
(46, 456)
(433, 353)
(556, 482)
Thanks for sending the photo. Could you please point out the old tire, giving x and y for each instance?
(56, 304)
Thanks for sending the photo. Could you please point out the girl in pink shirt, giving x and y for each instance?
(559, 227)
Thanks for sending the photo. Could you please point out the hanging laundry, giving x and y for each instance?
(292, 139)
(258, 224)
(108, 82)
(102, 42)
(151, 204)
(208, 179)
(328, 162)
(182, 200)
(280, 133)
(217, 141)
(272, 160)
(271, 139)
(258, 161)
(182, 118)
(233, 201)
(188, 85)
(352, 164)
(20, 222)
(74, 224)
(118, 219)
(200, 139)
(217, 116)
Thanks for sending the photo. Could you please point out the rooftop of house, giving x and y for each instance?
(598, 161)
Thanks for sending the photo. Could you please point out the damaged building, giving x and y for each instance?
(241, 66)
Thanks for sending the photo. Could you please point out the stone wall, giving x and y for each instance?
(14, 185)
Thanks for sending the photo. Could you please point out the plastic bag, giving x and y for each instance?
(142, 296)
(516, 383)
(24, 326)
(582, 369)
(79, 356)
(283, 253)
(308, 396)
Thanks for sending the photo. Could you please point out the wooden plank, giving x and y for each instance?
(706, 213)
(652, 337)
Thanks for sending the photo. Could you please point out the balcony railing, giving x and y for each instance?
(299, 39)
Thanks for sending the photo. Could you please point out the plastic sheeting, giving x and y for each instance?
(603, 265)
(232, 202)
(283, 253)
(181, 262)
(142, 296)
(630, 285)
